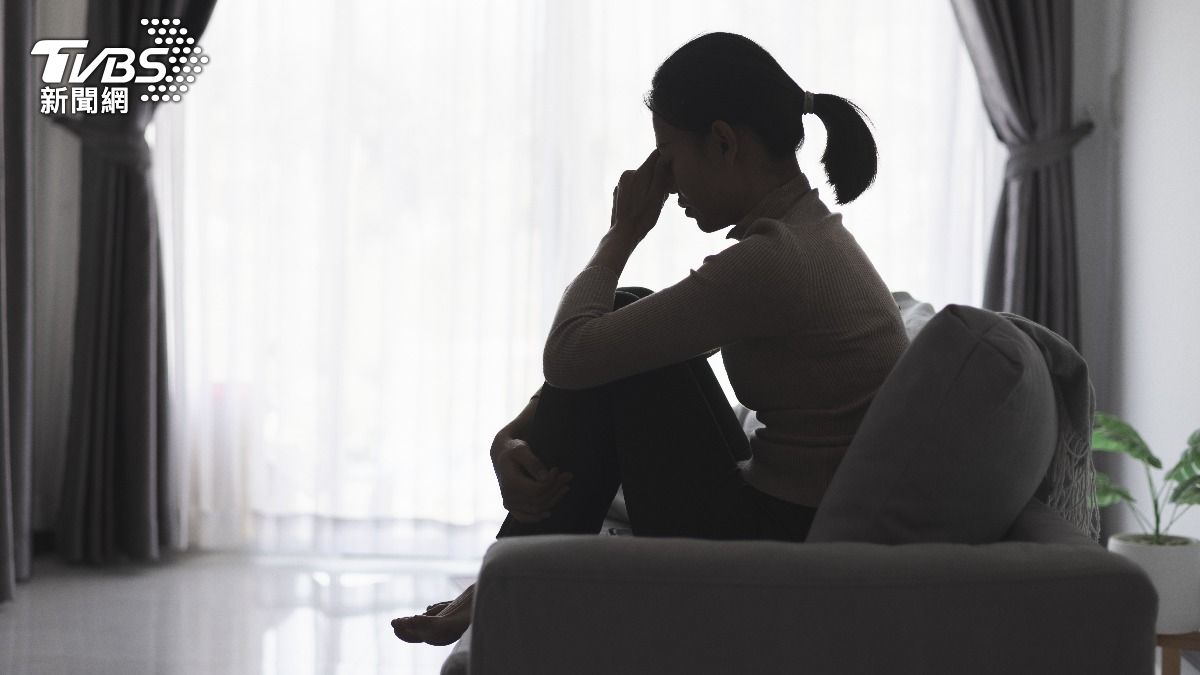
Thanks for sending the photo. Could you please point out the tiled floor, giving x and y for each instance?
(225, 613)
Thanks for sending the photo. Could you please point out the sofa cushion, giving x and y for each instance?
(957, 440)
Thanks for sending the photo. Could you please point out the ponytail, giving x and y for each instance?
(726, 76)
(851, 158)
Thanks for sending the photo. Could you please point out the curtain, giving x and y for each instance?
(1022, 51)
(16, 296)
(371, 210)
(115, 499)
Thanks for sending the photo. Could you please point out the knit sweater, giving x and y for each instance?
(806, 328)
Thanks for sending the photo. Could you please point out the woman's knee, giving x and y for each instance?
(627, 294)
(639, 291)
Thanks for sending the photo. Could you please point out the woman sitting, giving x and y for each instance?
(805, 325)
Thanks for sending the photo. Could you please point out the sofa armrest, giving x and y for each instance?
(586, 604)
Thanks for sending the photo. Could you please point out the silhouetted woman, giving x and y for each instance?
(805, 325)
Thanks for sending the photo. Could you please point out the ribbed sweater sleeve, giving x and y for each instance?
(807, 330)
(732, 296)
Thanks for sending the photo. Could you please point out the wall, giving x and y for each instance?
(1138, 208)
(1156, 350)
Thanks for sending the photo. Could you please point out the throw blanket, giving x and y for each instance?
(1071, 479)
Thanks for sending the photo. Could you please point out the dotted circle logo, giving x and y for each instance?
(184, 61)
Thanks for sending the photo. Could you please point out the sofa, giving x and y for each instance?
(934, 550)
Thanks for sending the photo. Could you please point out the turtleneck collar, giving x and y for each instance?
(775, 204)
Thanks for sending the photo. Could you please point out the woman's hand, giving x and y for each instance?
(528, 489)
(639, 197)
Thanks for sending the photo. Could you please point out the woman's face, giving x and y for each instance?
(698, 174)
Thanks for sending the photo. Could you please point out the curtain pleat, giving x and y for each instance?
(16, 296)
(1022, 53)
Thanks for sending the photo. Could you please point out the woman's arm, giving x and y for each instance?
(614, 251)
(529, 489)
(749, 290)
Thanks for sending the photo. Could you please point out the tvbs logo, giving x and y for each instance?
(166, 69)
(117, 61)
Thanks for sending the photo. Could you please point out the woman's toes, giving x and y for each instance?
(408, 630)
(434, 630)
(441, 624)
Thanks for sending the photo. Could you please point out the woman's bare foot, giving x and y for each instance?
(441, 624)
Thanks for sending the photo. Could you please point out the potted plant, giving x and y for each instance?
(1172, 562)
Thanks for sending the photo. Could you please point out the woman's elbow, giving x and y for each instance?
(566, 373)
(560, 375)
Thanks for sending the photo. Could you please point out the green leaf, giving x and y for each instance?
(1189, 464)
(1187, 493)
(1110, 434)
(1108, 493)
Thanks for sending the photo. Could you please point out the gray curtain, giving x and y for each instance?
(116, 499)
(16, 295)
(1022, 51)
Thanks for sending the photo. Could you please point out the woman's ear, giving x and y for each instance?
(725, 139)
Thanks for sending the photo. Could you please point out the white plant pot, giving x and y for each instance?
(1174, 569)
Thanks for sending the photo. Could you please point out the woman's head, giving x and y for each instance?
(726, 114)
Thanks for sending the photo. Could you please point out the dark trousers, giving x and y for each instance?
(670, 437)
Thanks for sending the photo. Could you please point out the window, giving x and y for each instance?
(371, 209)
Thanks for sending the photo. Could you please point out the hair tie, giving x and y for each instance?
(808, 102)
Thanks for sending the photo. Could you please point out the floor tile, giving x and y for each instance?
(226, 613)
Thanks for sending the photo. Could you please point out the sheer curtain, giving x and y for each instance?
(372, 209)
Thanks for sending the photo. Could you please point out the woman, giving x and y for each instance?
(806, 327)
